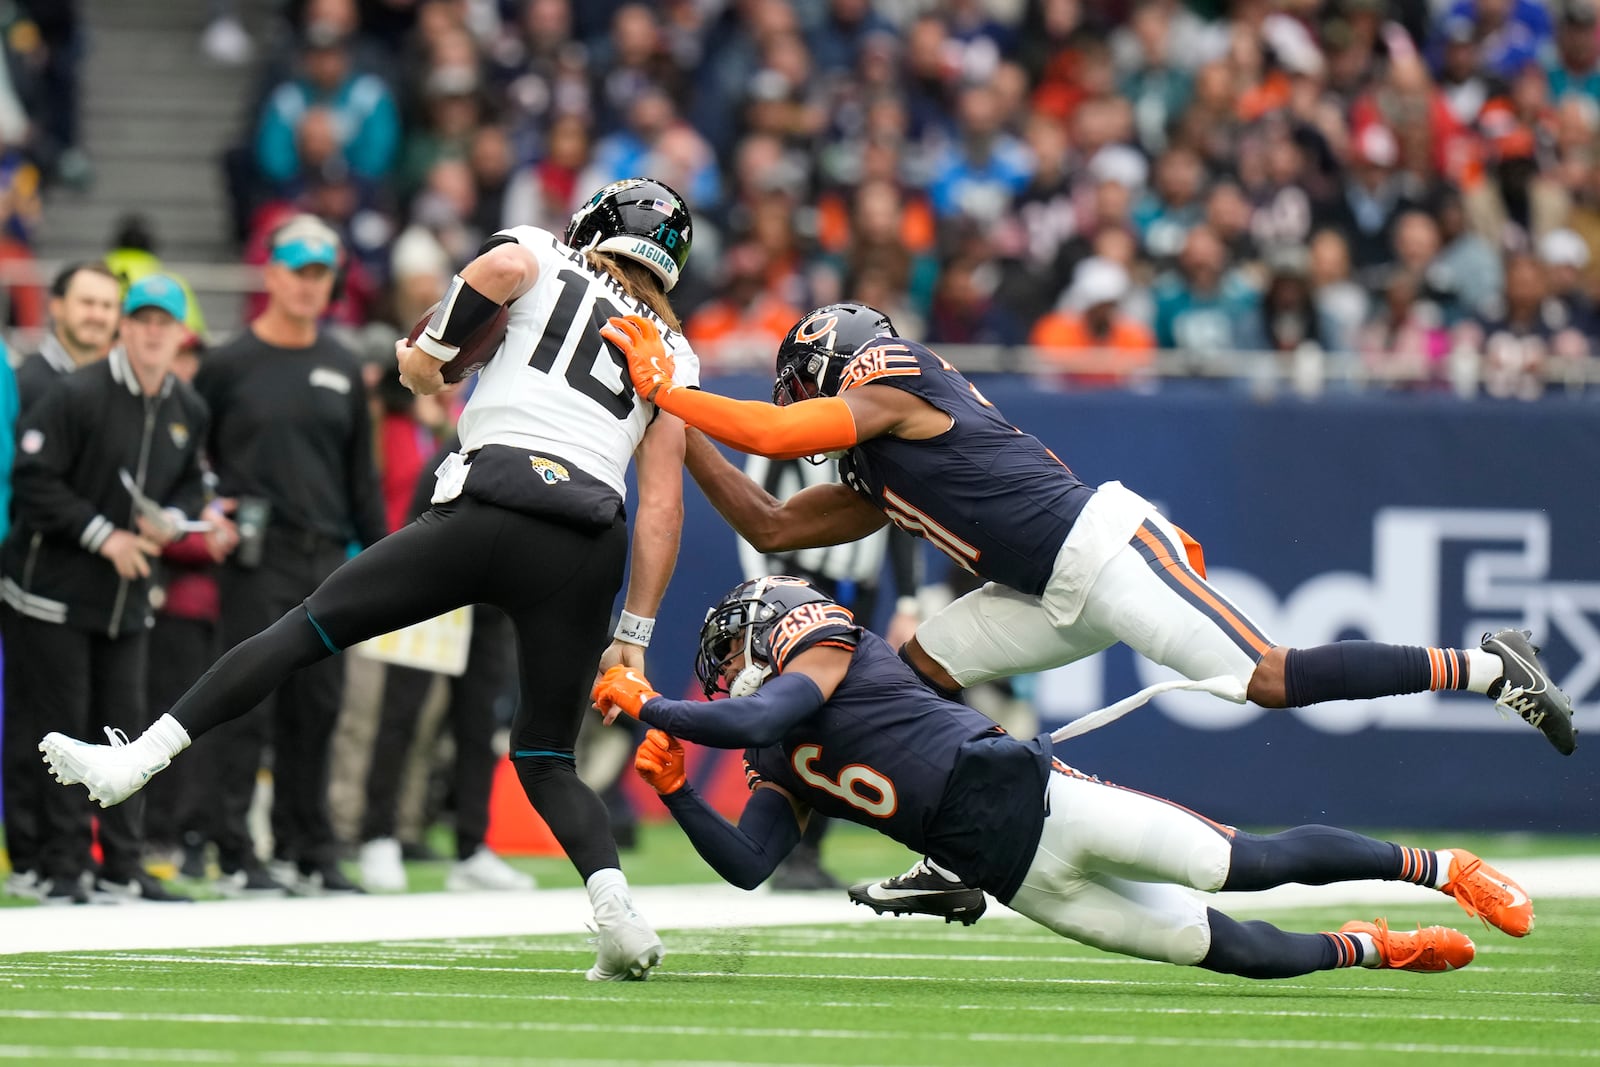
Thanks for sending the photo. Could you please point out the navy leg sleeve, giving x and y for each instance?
(1261, 950)
(1310, 855)
(1354, 670)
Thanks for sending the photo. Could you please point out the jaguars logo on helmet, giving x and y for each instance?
(816, 349)
(639, 219)
(750, 609)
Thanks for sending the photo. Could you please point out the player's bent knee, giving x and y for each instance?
(929, 671)
(544, 774)
(1267, 687)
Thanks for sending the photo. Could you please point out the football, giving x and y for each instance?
(479, 347)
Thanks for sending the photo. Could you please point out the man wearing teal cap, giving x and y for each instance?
(306, 242)
(157, 291)
(107, 469)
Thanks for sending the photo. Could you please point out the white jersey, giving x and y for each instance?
(555, 385)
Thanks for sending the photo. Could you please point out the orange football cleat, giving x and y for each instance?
(1488, 895)
(1432, 948)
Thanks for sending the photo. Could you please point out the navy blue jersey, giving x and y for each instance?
(989, 496)
(888, 753)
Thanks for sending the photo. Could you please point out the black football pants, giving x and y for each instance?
(180, 651)
(298, 716)
(555, 582)
(75, 681)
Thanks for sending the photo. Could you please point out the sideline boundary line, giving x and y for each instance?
(433, 916)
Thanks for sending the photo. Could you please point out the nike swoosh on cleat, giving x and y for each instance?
(1518, 897)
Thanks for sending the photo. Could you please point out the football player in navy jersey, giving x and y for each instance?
(833, 722)
(1069, 569)
(527, 517)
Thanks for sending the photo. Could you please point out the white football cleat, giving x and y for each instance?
(485, 870)
(112, 773)
(628, 947)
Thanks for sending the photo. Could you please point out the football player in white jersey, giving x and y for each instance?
(528, 517)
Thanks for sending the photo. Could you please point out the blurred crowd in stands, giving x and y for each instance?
(1390, 178)
(41, 45)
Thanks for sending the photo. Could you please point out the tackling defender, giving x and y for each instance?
(834, 723)
(1070, 569)
(528, 517)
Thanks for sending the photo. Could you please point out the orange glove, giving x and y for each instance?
(624, 689)
(659, 761)
(650, 365)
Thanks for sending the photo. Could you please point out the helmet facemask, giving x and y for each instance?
(738, 632)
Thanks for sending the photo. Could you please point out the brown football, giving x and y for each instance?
(479, 347)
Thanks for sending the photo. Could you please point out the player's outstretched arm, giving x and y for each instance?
(821, 515)
(754, 721)
(738, 722)
(657, 529)
(753, 426)
(743, 855)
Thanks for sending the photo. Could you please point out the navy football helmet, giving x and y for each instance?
(640, 219)
(750, 610)
(815, 351)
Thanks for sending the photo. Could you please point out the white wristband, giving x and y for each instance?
(436, 348)
(634, 630)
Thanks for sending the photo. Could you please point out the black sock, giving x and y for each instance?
(1318, 855)
(948, 694)
(1261, 950)
(1359, 670)
(249, 671)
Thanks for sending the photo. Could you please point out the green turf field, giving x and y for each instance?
(900, 992)
(911, 992)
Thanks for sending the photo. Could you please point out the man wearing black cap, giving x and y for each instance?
(291, 441)
(76, 574)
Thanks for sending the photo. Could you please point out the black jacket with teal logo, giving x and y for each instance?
(68, 497)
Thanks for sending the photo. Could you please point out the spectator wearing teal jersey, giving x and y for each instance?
(1203, 306)
(361, 107)
(1575, 67)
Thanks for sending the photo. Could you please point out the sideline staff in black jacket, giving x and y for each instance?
(76, 567)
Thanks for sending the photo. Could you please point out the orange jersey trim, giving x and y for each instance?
(1191, 548)
(805, 429)
(806, 619)
(883, 359)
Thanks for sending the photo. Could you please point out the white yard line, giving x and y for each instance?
(323, 1058)
(425, 916)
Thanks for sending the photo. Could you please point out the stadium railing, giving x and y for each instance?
(1306, 373)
